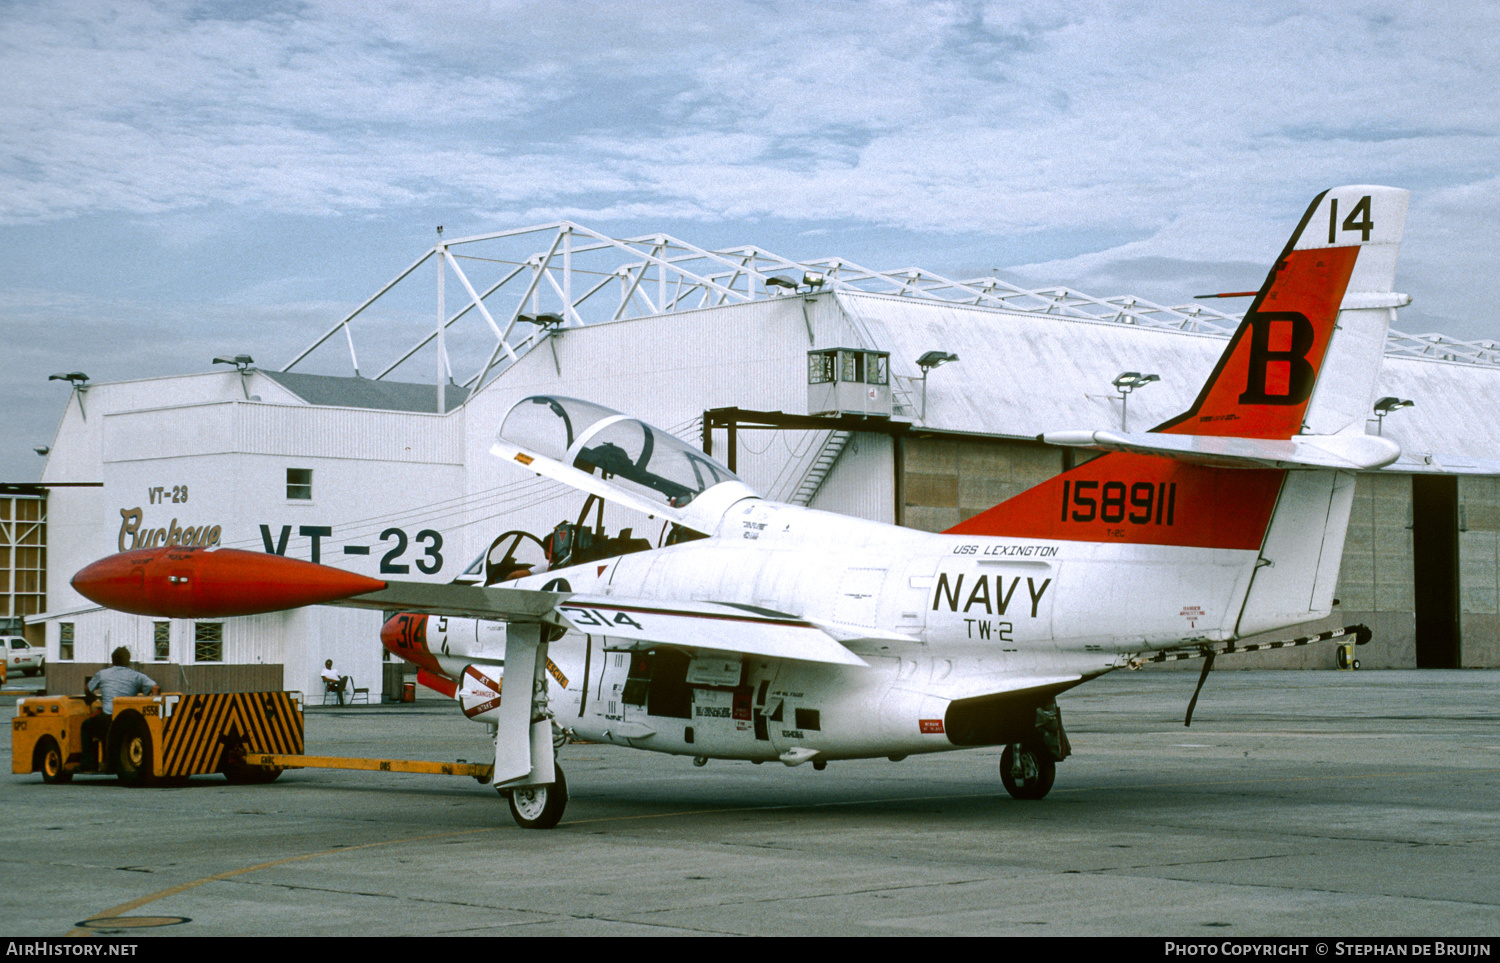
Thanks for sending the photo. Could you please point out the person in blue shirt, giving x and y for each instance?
(117, 679)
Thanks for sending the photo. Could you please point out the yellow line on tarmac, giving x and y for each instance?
(229, 874)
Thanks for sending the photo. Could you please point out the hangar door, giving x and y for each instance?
(1434, 515)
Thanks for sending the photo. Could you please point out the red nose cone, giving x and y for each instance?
(399, 631)
(196, 583)
(405, 635)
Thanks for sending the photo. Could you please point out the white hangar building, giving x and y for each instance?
(390, 473)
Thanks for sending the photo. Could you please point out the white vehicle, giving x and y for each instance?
(770, 632)
(21, 656)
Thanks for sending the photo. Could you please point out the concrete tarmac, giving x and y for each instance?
(1353, 804)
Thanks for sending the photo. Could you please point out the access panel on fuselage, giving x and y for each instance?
(704, 705)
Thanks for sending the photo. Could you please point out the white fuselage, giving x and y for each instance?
(938, 618)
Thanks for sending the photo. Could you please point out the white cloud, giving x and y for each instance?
(1145, 148)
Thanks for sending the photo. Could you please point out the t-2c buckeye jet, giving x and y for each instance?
(770, 632)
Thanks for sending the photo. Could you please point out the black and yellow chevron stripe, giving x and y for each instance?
(194, 739)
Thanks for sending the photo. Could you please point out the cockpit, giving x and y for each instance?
(626, 451)
(610, 457)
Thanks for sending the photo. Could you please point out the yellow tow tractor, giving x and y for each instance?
(250, 737)
(161, 738)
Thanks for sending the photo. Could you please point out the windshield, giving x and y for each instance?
(617, 448)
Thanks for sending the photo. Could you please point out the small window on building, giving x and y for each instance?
(299, 484)
(161, 641)
(877, 369)
(854, 367)
(820, 366)
(65, 641)
(208, 641)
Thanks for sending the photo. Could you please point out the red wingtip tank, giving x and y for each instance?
(196, 583)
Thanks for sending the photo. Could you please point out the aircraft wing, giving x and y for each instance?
(464, 601)
(628, 622)
(193, 583)
(713, 626)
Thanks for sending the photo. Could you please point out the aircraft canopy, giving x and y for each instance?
(621, 449)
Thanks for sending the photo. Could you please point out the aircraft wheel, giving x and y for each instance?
(50, 761)
(539, 807)
(132, 755)
(1026, 771)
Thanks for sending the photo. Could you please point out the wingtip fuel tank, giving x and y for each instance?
(195, 583)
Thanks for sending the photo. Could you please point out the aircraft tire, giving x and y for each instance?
(1038, 770)
(50, 761)
(131, 740)
(539, 807)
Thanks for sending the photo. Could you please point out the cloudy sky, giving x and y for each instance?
(180, 180)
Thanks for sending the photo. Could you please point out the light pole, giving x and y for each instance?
(927, 362)
(80, 383)
(1387, 405)
(242, 363)
(1125, 384)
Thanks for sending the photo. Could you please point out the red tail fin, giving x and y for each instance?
(1264, 380)
(1260, 388)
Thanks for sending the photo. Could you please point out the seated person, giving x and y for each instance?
(117, 679)
(333, 682)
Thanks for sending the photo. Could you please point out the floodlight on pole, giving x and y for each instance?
(242, 363)
(1125, 383)
(550, 323)
(927, 362)
(1387, 405)
(80, 383)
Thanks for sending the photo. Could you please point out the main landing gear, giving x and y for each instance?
(539, 807)
(1028, 768)
(1026, 771)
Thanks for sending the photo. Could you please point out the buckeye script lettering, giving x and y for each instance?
(132, 536)
(980, 594)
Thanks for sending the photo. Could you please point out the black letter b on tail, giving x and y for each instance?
(1279, 375)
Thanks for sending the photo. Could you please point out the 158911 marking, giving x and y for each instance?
(1148, 503)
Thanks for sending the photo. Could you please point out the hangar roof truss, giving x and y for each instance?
(534, 280)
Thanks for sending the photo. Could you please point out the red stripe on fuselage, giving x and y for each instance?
(1139, 500)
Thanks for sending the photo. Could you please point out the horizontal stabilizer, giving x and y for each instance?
(1351, 452)
(711, 626)
(1438, 463)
